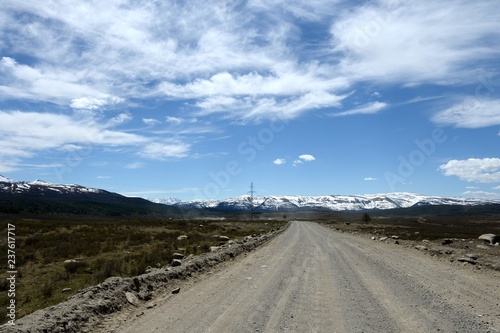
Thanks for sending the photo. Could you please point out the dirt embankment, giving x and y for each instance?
(85, 310)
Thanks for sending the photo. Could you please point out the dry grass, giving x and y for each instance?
(101, 249)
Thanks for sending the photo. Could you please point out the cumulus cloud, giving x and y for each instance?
(25, 134)
(252, 54)
(486, 170)
(370, 179)
(279, 161)
(471, 113)
(94, 103)
(307, 157)
(304, 158)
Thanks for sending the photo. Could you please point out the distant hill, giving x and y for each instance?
(43, 198)
(386, 201)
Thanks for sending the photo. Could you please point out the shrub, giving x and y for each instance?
(74, 267)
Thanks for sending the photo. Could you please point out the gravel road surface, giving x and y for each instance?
(313, 279)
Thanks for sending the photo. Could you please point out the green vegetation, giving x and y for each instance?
(52, 255)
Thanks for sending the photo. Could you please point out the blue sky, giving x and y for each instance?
(197, 99)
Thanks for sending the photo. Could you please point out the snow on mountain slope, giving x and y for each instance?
(8, 186)
(5, 179)
(166, 201)
(332, 202)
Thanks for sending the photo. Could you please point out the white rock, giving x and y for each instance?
(176, 262)
(179, 256)
(132, 299)
(492, 238)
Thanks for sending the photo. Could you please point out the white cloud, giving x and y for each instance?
(120, 119)
(25, 134)
(486, 170)
(482, 195)
(367, 109)
(94, 103)
(413, 42)
(134, 165)
(52, 84)
(245, 61)
(279, 161)
(370, 179)
(174, 120)
(150, 121)
(257, 108)
(163, 151)
(304, 158)
(497, 188)
(307, 157)
(471, 113)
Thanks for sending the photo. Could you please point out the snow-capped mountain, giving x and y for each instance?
(9, 186)
(41, 197)
(166, 201)
(332, 202)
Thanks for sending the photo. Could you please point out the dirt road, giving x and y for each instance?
(313, 279)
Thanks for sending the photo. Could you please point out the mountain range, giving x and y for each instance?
(43, 197)
(326, 202)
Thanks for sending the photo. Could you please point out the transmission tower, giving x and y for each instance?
(251, 192)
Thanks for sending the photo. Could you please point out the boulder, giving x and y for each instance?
(473, 256)
(446, 241)
(214, 248)
(468, 260)
(132, 299)
(179, 256)
(176, 291)
(421, 247)
(492, 238)
(224, 238)
(65, 290)
(176, 262)
(182, 237)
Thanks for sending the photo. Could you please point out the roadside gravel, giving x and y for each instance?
(313, 279)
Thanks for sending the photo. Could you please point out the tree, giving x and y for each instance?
(366, 218)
